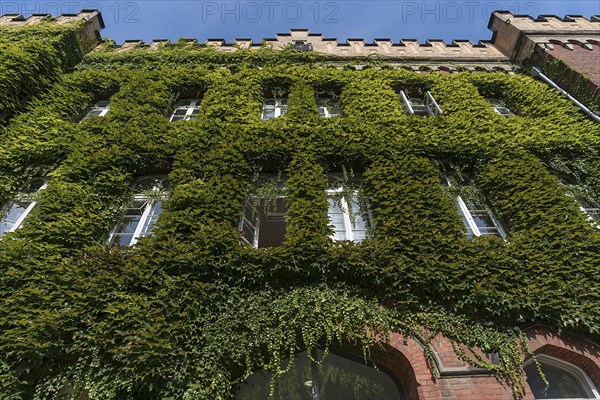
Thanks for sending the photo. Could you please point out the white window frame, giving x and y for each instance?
(433, 109)
(103, 109)
(327, 105)
(587, 211)
(577, 372)
(150, 203)
(279, 107)
(499, 107)
(471, 221)
(466, 212)
(334, 194)
(24, 198)
(189, 114)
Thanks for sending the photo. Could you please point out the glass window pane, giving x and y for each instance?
(484, 222)
(155, 210)
(336, 218)
(562, 384)
(124, 231)
(94, 113)
(13, 213)
(34, 185)
(335, 378)
(145, 184)
(268, 114)
(335, 111)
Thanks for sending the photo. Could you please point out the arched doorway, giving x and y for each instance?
(337, 377)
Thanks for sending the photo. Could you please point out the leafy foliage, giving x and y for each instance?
(189, 313)
(32, 58)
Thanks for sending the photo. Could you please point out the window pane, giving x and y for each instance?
(94, 113)
(34, 186)
(124, 232)
(12, 215)
(336, 218)
(335, 378)
(335, 111)
(145, 184)
(184, 103)
(268, 114)
(562, 384)
(155, 210)
(484, 222)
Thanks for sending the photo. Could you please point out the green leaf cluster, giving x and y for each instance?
(189, 313)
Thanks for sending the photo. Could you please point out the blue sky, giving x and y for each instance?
(394, 19)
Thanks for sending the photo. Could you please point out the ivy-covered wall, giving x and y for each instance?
(32, 57)
(189, 313)
(572, 80)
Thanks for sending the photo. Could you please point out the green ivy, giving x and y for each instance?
(189, 313)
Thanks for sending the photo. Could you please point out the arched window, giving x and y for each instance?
(565, 381)
(336, 377)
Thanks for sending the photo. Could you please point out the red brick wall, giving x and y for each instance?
(456, 381)
(581, 59)
(585, 66)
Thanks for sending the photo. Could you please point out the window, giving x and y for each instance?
(422, 106)
(329, 107)
(186, 110)
(273, 108)
(476, 215)
(100, 109)
(142, 213)
(263, 223)
(579, 192)
(565, 381)
(589, 208)
(334, 377)
(499, 107)
(15, 212)
(350, 217)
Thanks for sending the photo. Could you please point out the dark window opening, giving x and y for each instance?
(263, 223)
(336, 377)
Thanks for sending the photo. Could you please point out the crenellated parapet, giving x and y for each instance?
(302, 39)
(87, 37)
(518, 36)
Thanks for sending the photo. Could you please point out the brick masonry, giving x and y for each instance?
(455, 380)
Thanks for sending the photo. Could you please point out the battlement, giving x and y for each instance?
(517, 36)
(91, 17)
(547, 23)
(303, 40)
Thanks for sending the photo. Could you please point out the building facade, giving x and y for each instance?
(302, 218)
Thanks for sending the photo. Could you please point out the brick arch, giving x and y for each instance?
(580, 352)
(392, 357)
